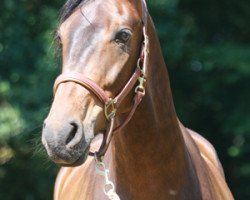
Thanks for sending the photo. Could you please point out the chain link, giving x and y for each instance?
(108, 188)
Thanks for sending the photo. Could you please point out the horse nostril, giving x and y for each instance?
(72, 133)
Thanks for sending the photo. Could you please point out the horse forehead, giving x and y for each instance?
(102, 14)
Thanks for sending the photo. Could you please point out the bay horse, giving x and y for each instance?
(106, 47)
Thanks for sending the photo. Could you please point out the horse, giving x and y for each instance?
(112, 126)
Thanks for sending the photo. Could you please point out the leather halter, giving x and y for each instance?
(111, 104)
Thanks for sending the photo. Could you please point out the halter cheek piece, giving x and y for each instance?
(111, 105)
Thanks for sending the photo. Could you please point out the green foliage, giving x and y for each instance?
(27, 70)
(207, 49)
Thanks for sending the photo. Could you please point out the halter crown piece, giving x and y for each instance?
(111, 104)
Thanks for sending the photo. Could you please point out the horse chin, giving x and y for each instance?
(77, 163)
(73, 161)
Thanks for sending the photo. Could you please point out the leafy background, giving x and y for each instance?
(206, 45)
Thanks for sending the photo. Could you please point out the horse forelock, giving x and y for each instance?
(69, 7)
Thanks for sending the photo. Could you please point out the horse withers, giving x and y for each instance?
(114, 83)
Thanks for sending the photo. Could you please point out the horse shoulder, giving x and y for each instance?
(207, 151)
(213, 166)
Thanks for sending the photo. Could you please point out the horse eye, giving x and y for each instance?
(123, 36)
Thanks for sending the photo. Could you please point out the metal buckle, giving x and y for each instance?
(140, 87)
(110, 109)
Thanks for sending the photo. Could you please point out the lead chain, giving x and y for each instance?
(108, 188)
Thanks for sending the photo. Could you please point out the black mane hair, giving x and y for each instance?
(68, 8)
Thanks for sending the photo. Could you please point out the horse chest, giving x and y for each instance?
(79, 183)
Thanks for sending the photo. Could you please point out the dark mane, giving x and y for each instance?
(68, 8)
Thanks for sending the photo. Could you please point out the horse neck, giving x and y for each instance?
(151, 147)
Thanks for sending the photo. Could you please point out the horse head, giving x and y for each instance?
(101, 41)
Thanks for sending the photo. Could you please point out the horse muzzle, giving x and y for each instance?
(66, 145)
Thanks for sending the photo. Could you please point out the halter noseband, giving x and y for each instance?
(111, 105)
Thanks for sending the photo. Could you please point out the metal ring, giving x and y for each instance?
(110, 109)
(106, 189)
(140, 89)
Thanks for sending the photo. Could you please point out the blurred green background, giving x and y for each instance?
(206, 45)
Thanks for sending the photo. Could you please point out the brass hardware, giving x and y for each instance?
(140, 87)
(110, 109)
